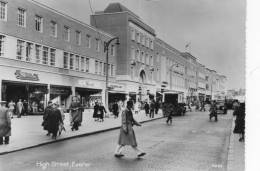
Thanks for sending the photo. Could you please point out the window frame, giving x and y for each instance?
(5, 11)
(38, 23)
(2, 45)
(21, 16)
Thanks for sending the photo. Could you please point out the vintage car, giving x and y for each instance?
(221, 106)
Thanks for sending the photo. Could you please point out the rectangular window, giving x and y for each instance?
(109, 70)
(137, 55)
(28, 55)
(38, 23)
(112, 70)
(20, 49)
(113, 50)
(104, 69)
(142, 38)
(142, 57)
(133, 53)
(65, 60)
(77, 63)
(21, 17)
(45, 58)
(2, 42)
(88, 40)
(97, 45)
(100, 68)
(87, 64)
(3, 10)
(66, 33)
(151, 60)
(53, 29)
(71, 61)
(146, 59)
(137, 37)
(78, 37)
(132, 33)
(52, 57)
(38, 53)
(151, 44)
(96, 67)
(82, 64)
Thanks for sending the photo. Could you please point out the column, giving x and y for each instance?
(1, 90)
(49, 92)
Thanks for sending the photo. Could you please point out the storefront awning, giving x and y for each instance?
(119, 92)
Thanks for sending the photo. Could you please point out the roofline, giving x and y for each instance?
(71, 18)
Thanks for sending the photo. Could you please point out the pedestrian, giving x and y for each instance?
(25, 108)
(136, 107)
(46, 123)
(152, 106)
(62, 111)
(101, 112)
(19, 108)
(170, 114)
(156, 107)
(5, 124)
(115, 109)
(202, 108)
(11, 106)
(95, 112)
(146, 108)
(213, 111)
(127, 134)
(240, 122)
(54, 119)
(75, 111)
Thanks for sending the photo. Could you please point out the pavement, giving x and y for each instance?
(27, 131)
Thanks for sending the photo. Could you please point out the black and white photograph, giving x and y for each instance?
(116, 85)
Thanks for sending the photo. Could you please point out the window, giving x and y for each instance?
(113, 50)
(151, 44)
(3, 11)
(53, 29)
(52, 57)
(146, 59)
(112, 70)
(151, 60)
(142, 57)
(78, 37)
(20, 49)
(88, 40)
(137, 37)
(147, 42)
(97, 45)
(77, 63)
(65, 60)
(133, 53)
(96, 67)
(71, 61)
(82, 64)
(137, 55)
(142, 38)
(21, 16)
(100, 68)
(28, 55)
(158, 57)
(38, 23)
(45, 52)
(38, 53)
(66, 33)
(2, 42)
(87, 64)
(132, 33)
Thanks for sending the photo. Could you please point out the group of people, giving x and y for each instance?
(99, 111)
(20, 108)
(152, 108)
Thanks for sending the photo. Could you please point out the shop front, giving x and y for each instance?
(60, 94)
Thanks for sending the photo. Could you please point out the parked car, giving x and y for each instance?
(221, 107)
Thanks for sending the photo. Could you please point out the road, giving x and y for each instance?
(190, 143)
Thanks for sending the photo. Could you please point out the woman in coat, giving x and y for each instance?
(101, 111)
(5, 124)
(75, 111)
(95, 113)
(127, 134)
(240, 121)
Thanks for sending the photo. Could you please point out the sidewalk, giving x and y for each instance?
(236, 153)
(27, 131)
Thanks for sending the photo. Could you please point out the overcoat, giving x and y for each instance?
(240, 120)
(53, 119)
(76, 109)
(5, 122)
(127, 134)
(95, 113)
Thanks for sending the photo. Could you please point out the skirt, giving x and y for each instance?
(127, 138)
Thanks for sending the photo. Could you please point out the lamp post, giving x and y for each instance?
(106, 47)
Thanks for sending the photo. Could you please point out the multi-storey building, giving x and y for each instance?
(46, 55)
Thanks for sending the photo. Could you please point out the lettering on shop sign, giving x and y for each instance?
(26, 76)
(114, 86)
(86, 83)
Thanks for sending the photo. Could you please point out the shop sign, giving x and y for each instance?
(115, 86)
(86, 83)
(26, 76)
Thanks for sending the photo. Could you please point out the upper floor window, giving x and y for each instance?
(29, 47)
(151, 60)
(142, 38)
(137, 37)
(66, 33)
(2, 42)
(45, 55)
(77, 63)
(132, 33)
(53, 29)
(87, 64)
(21, 17)
(133, 53)
(137, 55)
(38, 23)
(96, 67)
(71, 61)
(3, 9)
(38, 53)
(113, 50)
(151, 44)
(82, 64)
(78, 37)
(112, 70)
(100, 68)
(88, 40)
(52, 57)
(146, 59)
(97, 45)
(20, 49)
(65, 60)
(142, 57)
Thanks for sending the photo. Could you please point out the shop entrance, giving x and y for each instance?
(60, 94)
(88, 96)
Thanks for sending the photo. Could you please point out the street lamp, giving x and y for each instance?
(106, 46)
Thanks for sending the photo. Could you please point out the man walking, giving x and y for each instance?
(5, 124)
(19, 108)
(213, 111)
(152, 106)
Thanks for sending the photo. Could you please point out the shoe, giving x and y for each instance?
(141, 154)
(119, 155)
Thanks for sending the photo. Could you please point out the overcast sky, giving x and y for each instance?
(215, 28)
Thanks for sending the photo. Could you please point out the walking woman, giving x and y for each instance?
(101, 111)
(240, 122)
(127, 134)
(95, 113)
(5, 124)
(75, 111)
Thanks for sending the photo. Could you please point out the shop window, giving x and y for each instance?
(52, 57)
(66, 33)
(2, 43)
(78, 37)
(96, 67)
(21, 17)
(45, 52)
(38, 23)
(77, 63)
(71, 61)
(28, 51)
(38, 53)
(65, 60)
(87, 64)
(53, 26)
(3, 10)
(20, 49)
(82, 64)
(88, 41)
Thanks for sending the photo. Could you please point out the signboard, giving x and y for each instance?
(26, 76)
(89, 84)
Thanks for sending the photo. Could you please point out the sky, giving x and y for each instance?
(215, 28)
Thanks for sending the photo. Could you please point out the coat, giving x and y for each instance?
(5, 122)
(240, 120)
(127, 134)
(52, 119)
(101, 110)
(95, 113)
(76, 112)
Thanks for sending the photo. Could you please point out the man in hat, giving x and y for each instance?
(5, 124)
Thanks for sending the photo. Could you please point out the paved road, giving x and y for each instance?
(191, 143)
